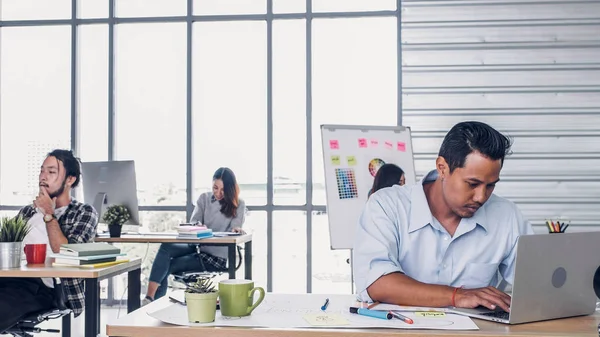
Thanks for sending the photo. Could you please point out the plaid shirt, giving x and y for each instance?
(78, 223)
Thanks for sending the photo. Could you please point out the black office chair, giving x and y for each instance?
(191, 276)
(28, 325)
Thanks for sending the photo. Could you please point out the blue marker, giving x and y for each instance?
(371, 313)
(324, 306)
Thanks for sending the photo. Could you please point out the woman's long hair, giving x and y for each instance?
(387, 175)
(231, 191)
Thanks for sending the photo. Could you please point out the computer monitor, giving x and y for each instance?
(108, 183)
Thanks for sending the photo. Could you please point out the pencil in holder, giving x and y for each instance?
(557, 226)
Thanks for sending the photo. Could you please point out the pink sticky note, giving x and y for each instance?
(389, 145)
(374, 142)
(401, 147)
(334, 144)
(362, 142)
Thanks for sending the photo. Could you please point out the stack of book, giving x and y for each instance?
(87, 255)
(194, 232)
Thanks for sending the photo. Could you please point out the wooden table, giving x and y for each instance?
(92, 289)
(230, 242)
(139, 324)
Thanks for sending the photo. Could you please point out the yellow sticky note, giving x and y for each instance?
(325, 319)
(430, 314)
(335, 160)
(351, 160)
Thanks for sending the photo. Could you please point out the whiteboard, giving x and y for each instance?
(351, 156)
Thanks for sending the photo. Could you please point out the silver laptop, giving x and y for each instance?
(554, 276)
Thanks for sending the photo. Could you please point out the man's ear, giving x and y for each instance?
(70, 180)
(442, 167)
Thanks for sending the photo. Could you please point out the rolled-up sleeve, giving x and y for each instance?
(376, 245)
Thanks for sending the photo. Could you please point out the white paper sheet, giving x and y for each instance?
(288, 311)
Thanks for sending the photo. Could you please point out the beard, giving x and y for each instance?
(60, 191)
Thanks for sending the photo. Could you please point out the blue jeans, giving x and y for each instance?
(173, 258)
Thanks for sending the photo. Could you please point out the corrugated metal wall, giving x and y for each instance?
(529, 68)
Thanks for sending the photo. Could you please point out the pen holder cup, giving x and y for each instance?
(557, 226)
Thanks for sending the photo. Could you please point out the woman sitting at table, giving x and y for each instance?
(220, 210)
(388, 175)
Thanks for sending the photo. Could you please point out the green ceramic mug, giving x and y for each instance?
(236, 297)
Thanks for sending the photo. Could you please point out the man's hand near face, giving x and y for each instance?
(44, 202)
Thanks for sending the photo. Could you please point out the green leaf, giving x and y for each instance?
(13, 229)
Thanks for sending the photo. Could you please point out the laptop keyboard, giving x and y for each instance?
(497, 314)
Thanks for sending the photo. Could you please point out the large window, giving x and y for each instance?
(239, 83)
(289, 112)
(92, 92)
(354, 81)
(229, 104)
(150, 108)
(35, 105)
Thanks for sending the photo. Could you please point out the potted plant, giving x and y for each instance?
(201, 300)
(12, 233)
(115, 216)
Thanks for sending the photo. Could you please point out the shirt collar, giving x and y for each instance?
(420, 214)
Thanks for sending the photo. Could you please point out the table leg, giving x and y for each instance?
(231, 259)
(66, 326)
(92, 307)
(134, 289)
(248, 260)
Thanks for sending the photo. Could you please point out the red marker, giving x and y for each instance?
(401, 317)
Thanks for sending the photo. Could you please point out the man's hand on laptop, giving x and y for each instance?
(488, 297)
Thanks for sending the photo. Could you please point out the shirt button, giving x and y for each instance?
(444, 266)
(445, 237)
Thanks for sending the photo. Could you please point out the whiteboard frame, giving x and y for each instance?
(363, 128)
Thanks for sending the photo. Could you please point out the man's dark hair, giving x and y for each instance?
(70, 162)
(467, 137)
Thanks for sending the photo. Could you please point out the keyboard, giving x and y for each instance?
(497, 314)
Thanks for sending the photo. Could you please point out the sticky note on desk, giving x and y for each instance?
(325, 319)
(430, 314)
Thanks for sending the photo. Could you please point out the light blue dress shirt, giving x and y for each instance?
(397, 233)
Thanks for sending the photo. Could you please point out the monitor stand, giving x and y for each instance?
(99, 202)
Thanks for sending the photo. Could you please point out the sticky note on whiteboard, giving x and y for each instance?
(401, 146)
(334, 144)
(335, 160)
(374, 142)
(351, 160)
(362, 142)
(389, 145)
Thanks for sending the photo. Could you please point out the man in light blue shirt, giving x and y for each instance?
(442, 241)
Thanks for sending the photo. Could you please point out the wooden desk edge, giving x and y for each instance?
(73, 272)
(161, 329)
(138, 238)
(139, 323)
